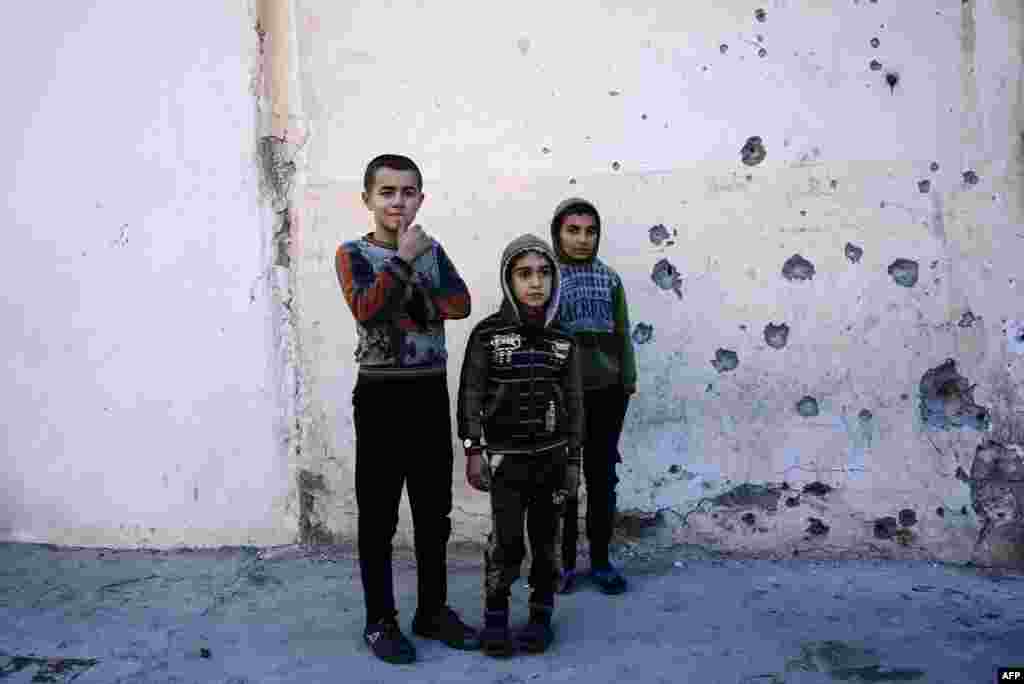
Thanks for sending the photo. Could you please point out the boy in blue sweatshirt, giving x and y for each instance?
(593, 309)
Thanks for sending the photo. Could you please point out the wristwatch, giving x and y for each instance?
(469, 443)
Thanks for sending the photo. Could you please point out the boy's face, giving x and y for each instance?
(531, 278)
(578, 236)
(394, 199)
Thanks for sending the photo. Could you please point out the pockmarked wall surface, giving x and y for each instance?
(816, 210)
(140, 378)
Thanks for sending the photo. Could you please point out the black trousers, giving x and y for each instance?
(605, 411)
(530, 489)
(403, 437)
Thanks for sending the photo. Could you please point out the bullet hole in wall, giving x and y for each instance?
(725, 360)
(940, 511)
(886, 527)
(614, 93)
(968, 319)
(853, 252)
(572, 181)
(833, 184)
(817, 488)
(807, 407)
(760, 15)
(934, 167)
(753, 152)
(762, 53)
(875, 42)
(816, 527)
(658, 233)
(749, 518)
(723, 48)
(904, 272)
(947, 400)
(970, 177)
(616, 166)
(667, 277)
(674, 469)
(865, 416)
(924, 186)
(642, 333)
(797, 268)
(776, 336)
(891, 80)
(907, 517)
(904, 396)
(875, 65)
(803, 212)
(792, 501)
(545, 150)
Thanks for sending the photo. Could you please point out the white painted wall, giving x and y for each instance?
(138, 386)
(503, 103)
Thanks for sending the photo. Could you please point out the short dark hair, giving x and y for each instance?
(579, 209)
(397, 162)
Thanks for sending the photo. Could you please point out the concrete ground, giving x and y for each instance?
(294, 614)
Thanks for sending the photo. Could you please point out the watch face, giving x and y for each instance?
(467, 443)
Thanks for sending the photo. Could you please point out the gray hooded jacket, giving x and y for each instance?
(520, 386)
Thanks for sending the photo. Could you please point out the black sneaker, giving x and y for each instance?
(388, 643)
(447, 628)
(609, 580)
(495, 638)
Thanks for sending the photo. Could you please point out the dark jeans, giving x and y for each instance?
(403, 436)
(605, 411)
(530, 489)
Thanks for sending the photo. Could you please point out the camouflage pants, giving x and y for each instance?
(528, 490)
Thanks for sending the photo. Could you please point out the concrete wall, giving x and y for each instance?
(141, 383)
(511, 107)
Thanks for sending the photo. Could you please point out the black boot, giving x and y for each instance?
(537, 635)
(495, 638)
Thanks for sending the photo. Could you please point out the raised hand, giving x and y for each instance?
(412, 242)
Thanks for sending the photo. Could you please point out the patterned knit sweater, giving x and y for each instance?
(400, 309)
(593, 308)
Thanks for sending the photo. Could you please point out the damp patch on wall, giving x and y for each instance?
(997, 497)
(1015, 336)
(947, 400)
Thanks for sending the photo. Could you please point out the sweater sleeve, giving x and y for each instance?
(372, 296)
(472, 389)
(572, 389)
(622, 328)
(450, 298)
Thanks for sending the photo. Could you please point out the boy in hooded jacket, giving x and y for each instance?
(520, 398)
(592, 307)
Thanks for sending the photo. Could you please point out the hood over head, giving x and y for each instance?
(529, 243)
(573, 205)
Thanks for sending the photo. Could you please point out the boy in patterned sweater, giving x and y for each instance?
(520, 398)
(401, 287)
(593, 309)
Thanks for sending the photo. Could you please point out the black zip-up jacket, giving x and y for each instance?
(520, 386)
